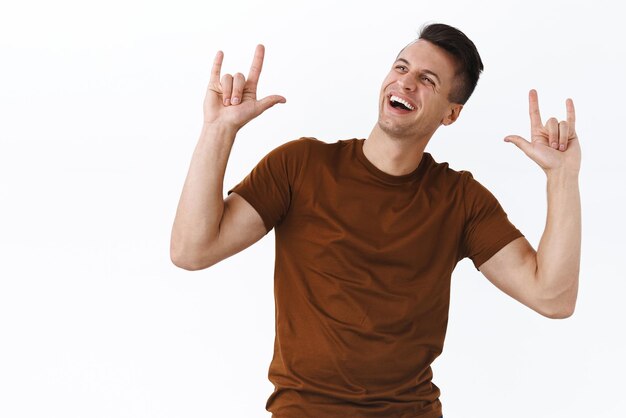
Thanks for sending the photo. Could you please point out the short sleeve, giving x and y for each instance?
(487, 228)
(269, 186)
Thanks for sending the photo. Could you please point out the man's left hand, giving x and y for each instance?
(554, 146)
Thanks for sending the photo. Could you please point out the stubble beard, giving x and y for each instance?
(398, 131)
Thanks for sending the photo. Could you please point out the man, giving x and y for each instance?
(369, 231)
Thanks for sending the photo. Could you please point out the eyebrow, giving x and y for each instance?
(426, 71)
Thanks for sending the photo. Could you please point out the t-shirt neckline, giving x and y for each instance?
(386, 177)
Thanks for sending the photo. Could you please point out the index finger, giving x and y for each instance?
(533, 110)
(571, 116)
(257, 65)
(217, 67)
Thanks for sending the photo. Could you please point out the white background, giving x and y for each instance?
(100, 109)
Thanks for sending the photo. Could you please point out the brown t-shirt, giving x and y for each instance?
(362, 275)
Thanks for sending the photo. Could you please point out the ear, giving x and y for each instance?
(453, 113)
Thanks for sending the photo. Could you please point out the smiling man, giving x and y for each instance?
(368, 232)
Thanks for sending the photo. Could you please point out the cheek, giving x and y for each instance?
(387, 81)
(437, 105)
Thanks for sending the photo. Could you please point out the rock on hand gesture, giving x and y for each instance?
(231, 100)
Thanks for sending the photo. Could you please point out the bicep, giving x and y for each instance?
(240, 227)
(513, 271)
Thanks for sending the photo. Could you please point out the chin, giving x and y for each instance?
(395, 130)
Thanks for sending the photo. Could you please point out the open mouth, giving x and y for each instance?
(399, 103)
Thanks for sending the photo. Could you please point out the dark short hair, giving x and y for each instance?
(469, 64)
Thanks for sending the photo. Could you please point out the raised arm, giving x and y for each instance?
(208, 228)
(547, 280)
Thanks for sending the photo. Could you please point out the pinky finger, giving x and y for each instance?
(571, 116)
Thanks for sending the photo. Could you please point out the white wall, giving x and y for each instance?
(100, 109)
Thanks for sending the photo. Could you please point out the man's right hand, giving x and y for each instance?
(231, 100)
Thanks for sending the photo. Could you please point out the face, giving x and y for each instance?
(414, 96)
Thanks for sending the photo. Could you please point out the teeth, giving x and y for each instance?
(404, 102)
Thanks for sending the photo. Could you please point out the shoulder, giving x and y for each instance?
(458, 186)
(299, 146)
(442, 175)
(295, 151)
(305, 147)
(295, 156)
(295, 145)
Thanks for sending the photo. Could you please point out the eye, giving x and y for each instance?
(401, 67)
(428, 80)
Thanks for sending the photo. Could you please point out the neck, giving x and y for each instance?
(394, 156)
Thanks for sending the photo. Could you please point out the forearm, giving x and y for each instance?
(201, 203)
(558, 254)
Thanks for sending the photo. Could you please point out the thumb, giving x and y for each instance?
(268, 102)
(520, 142)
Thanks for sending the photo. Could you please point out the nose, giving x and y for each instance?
(407, 82)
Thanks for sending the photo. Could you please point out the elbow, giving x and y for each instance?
(559, 314)
(187, 260)
(559, 304)
(180, 261)
(561, 308)
(185, 264)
